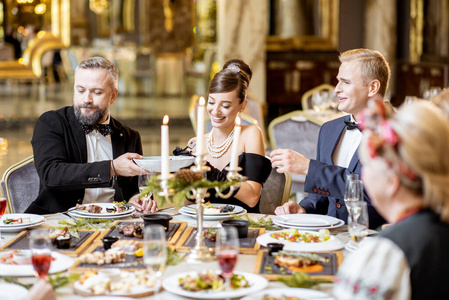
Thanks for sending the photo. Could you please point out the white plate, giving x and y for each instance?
(212, 217)
(34, 219)
(332, 244)
(75, 214)
(107, 298)
(306, 220)
(341, 223)
(192, 209)
(135, 291)
(61, 263)
(290, 292)
(103, 206)
(257, 283)
(9, 291)
(20, 228)
(153, 163)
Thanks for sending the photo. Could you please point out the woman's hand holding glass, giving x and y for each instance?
(155, 252)
(227, 250)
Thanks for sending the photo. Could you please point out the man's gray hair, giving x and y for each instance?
(98, 62)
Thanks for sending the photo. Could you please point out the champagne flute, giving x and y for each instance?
(3, 203)
(353, 190)
(40, 246)
(227, 249)
(155, 252)
(358, 221)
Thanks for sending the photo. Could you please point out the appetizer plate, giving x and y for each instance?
(153, 163)
(339, 224)
(35, 220)
(257, 283)
(103, 206)
(61, 263)
(281, 293)
(75, 214)
(9, 291)
(306, 220)
(211, 217)
(332, 244)
(192, 210)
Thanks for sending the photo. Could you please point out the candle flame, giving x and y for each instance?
(165, 120)
(237, 121)
(202, 101)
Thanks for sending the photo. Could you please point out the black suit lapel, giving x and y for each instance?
(78, 134)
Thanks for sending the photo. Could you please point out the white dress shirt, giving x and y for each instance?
(99, 148)
(347, 146)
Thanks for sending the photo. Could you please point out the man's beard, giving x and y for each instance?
(91, 119)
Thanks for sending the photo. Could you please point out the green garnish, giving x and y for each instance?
(262, 223)
(173, 257)
(57, 280)
(8, 221)
(84, 224)
(303, 255)
(301, 279)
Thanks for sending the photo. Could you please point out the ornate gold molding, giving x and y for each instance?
(416, 30)
(29, 67)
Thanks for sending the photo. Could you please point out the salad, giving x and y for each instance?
(210, 280)
(294, 236)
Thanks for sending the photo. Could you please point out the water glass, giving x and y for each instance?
(227, 250)
(155, 253)
(142, 182)
(353, 190)
(358, 222)
(40, 246)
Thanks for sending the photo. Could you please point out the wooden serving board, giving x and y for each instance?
(263, 260)
(172, 235)
(77, 245)
(248, 245)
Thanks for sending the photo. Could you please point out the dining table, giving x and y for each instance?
(245, 263)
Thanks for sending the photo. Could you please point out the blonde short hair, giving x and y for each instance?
(423, 146)
(373, 65)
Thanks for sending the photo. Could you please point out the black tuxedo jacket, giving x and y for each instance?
(325, 182)
(60, 156)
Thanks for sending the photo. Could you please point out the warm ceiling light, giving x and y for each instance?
(99, 6)
(40, 9)
(24, 1)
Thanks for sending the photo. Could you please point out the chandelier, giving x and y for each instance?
(99, 6)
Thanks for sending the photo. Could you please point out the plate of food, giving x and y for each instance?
(18, 263)
(214, 209)
(153, 163)
(210, 285)
(306, 220)
(19, 222)
(103, 209)
(295, 240)
(211, 217)
(114, 282)
(288, 294)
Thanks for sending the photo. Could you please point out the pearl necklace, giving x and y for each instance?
(218, 151)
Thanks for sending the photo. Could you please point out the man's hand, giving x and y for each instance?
(289, 161)
(291, 207)
(125, 166)
(143, 204)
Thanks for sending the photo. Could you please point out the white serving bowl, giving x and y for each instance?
(153, 163)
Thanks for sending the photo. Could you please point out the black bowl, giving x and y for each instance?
(160, 219)
(108, 241)
(241, 225)
(63, 242)
(274, 247)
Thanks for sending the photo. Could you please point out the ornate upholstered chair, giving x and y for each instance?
(22, 185)
(275, 191)
(307, 97)
(297, 131)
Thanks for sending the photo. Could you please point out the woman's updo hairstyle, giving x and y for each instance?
(419, 151)
(236, 75)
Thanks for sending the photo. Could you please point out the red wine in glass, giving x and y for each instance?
(41, 264)
(3, 203)
(227, 260)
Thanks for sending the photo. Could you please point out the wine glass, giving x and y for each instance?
(144, 177)
(227, 249)
(155, 252)
(40, 246)
(353, 190)
(3, 203)
(410, 99)
(358, 221)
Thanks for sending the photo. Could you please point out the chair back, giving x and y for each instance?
(193, 110)
(275, 191)
(22, 185)
(297, 131)
(307, 97)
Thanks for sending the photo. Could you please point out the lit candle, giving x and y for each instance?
(165, 165)
(235, 145)
(200, 127)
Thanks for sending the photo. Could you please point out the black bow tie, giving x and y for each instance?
(104, 129)
(351, 125)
